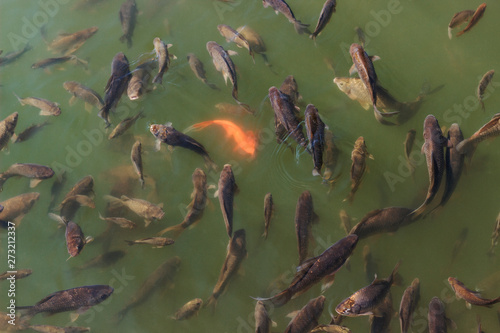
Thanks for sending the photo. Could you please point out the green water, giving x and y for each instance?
(411, 40)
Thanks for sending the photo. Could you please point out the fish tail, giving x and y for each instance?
(211, 301)
(129, 242)
(278, 300)
(482, 105)
(449, 33)
(315, 172)
(2, 181)
(265, 234)
(19, 98)
(158, 78)
(394, 271)
(209, 163)
(176, 230)
(104, 115)
(301, 27)
(200, 126)
(212, 85)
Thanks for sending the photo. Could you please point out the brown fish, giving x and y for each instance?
(255, 40)
(436, 316)
(89, 96)
(488, 130)
(408, 305)
(7, 127)
(36, 172)
(382, 322)
(381, 220)
(12, 56)
(226, 190)
(47, 108)
(366, 71)
(198, 69)
(366, 300)
(66, 43)
(59, 60)
(358, 166)
(15, 208)
(495, 235)
(324, 17)
(280, 6)
(157, 242)
(470, 297)
(79, 299)
(331, 328)
(163, 58)
(485, 80)
(136, 158)
(290, 88)
(369, 265)
(345, 221)
(315, 269)
(116, 86)
(28, 132)
(408, 144)
(236, 253)
(17, 274)
(458, 19)
(128, 14)
(188, 310)
(307, 318)
(454, 162)
(104, 260)
(122, 222)
(478, 14)
(80, 199)
(84, 186)
(196, 207)
(234, 36)
(142, 208)
(315, 129)
(304, 217)
(57, 329)
(75, 239)
(124, 125)
(330, 158)
(138, 84)
(262, 320)
(268, 213)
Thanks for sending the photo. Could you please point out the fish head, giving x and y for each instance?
(211, 45)
(436, 306)
(101, 293)
(135, 89)
(274, 93)
(343, 84)
(11, 120)
(69, 85)
(430, 125)
(348, 308)
(91, 31)
(355, 47)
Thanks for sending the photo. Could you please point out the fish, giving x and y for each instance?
(408, 144)
(157, 242)
(290, 88)
(345, 221)
(268, 213)
(57, 329)
(75, 239)
(232, 109)
(128, 14)
(15, 208)
(458, 19)
(116, 86)
(196, 207)
(7, 127)
(488, 130)
(382, 220)
(483, 83)
(304, 217)
(120, 221)
(454, 162)
(12, 56)
(47, 108)
(198, 69)
(55, 61)
(80, 199)
(172, 137)
(366, 300)
(307, 318)
(226, 190)
(494, 235)
(437, 316)
(315, 269)
(470, 297)
(330, 157)
(28, 132)
(331, 328)
(66, 43)
(163, 57)
(84, 186)
(136, 158)
(478, 14)
(324, 17)
(262, 320)
(163, 276)
(188, 310)
(104, 260)
(124, 125)
(246, 141)
(358, 166)
(285, 115)
(235, 254)
(89, 96)
(315, 129)
(408, 305)
(366, 71)
(255, 41)
(17, 274)
(434, 155)
(142, 208)
(138, 84)
(234, 36)
(78, 299)
(56, 188)
(280, 6)
(35, 172)
(382, 322)
(361, 36)
(370, 267)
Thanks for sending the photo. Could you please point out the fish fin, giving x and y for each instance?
(72, 100)
(451, 324)
(301, 27)
(74, 316)
(89, 239)
(449, 33)
(278, 300)
(232, 53)
(366, 105)
(129, 242)
(88, 107)
(277, 12)
(327, 282)
(45, 113)
(315, 172)
(353, 70)
(35, 182)
(147, 222)
(293, 314)
(13, 138)
(157, 145)
(19, 99)
(62, 221)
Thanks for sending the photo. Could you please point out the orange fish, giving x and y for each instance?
(246, 141)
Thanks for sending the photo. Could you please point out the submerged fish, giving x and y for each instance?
(124, 125)
(495, 235)
(454, 162)
(75, 239)
(488, 130)
(381, 220)
(234, 36)
(157, 242)
(47, 108)
(136, 158)
(89, 96)
(330, 157)
(54, 61)
(478, 14)
(7, 127)
(122, 222)
(436, 316)
(470, 297)
(198, 69)
(15, 208)
(280, 6)
(17, 274)
(324, 17)
(137, 86)
(408, 144)
(12, 56)
(315, 129)
(66, 43)
(304, 217)
(142, 208)
(255, 40)
(188, 310)
(408, 305)
(163, 57)
(226, 190)
(307, 318)
(57, 329)
(458, 19)
(268, 213)
(290, 88)
(382, 321)
(36, 172)
(104, 260)
(485, 80)
(262, 320)
(84, 186)
(358, 166)
(128, 13)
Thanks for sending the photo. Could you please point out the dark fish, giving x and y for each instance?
(75, 239)
(381, 220)
(116, 86)
(280, 6)
(124, 125)
(324, 17)
(89, 96)
(361, 36)
(408, 144)
(157, 242)
(104, 260)
(307, 318)
(12, 56)
(454, 162)
(56, 188)
(16, 207)
(226, 190)
(36, 172)
(290, 88)
(366, 300)
(169, 135)
(436, 316)
(488, 130)
(17, 274)
(255, 40)
(234, 36)
(366, 71)
(474, 19)
(315, 269)
(28, 132)
(434, 155)
(358, 166)
(470, 297)
(369, 265)
(137, 86)
(163, 276)
(7, 127)
(142, 208)
(128, 13)
(315, 129)
(382, 322)
(80, 299)
(136, 158)
(47, 108)
(66, 43)
(188, 310)
(458, 19)
(485, 80)
(408, 305)
(262, 320)
(198, 69)
(495, 235)
(84, 186)
(330, 157)
(304, 217)
(122, 222)
(236, 253)
(55, 61)
(268, 213)
(163, 58)
(80, 199)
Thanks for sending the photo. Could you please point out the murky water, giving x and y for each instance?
(411, 40)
